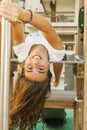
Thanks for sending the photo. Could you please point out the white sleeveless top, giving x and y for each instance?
(22, 50)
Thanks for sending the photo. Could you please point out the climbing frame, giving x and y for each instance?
(85, 67)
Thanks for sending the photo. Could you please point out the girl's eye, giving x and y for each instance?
(41, 70)
(29, 69)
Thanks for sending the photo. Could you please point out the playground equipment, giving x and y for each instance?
(5, 74)
(76, 100)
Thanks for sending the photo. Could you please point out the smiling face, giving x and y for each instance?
(36, 64)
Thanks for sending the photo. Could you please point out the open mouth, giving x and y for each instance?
(37, 56)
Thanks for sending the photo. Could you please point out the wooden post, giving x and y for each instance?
(85, 67)
(53, 12)
(0, 38)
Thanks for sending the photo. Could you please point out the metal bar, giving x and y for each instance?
(5, 74)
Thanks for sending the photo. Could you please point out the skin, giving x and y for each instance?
(12, 12)
(36, 64)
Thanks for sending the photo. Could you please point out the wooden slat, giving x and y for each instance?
(62, 95)
(46, 5)
(61, 99)
(66, 62)
(59, 104)
(85, 67)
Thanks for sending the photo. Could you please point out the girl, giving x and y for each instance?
(37, 51)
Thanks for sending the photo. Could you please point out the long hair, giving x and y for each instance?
(27, 102)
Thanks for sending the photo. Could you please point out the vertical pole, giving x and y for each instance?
(85, 68)
(53, 11)
(5, 74)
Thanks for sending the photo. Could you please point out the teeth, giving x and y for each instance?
(36, 57)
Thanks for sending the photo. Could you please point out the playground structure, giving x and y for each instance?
(73, 98)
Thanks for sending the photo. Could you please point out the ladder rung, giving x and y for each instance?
(62, 95)
(66, 62)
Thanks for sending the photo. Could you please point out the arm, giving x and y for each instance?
(50, 34)
(38, 22)
(57, 72)
(18, 33)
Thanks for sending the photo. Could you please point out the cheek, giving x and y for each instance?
(26, 63)
(46, 64)
(43, 63)
(24, 66)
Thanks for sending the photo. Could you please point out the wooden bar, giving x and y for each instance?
(62, 95)
(61, 99)
(85, 67)
(59, 104)
(66, 62)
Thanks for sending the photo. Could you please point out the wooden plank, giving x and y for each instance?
(62, 95)
(85, 67)
(78, 78)
(66, 62)
(53, 11)
(46, 5)
(78, 116)
(61, 99)
(59, 104)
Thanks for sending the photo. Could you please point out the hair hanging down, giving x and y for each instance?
(27, 102)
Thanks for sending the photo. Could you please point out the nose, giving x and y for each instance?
(36, 60)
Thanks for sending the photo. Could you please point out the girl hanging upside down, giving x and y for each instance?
(37, 52)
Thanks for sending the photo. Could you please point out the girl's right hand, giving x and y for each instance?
(11, 11)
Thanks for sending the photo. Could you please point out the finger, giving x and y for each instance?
(7, 14)
(55, 84)
(8, 18)
(14, 1)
